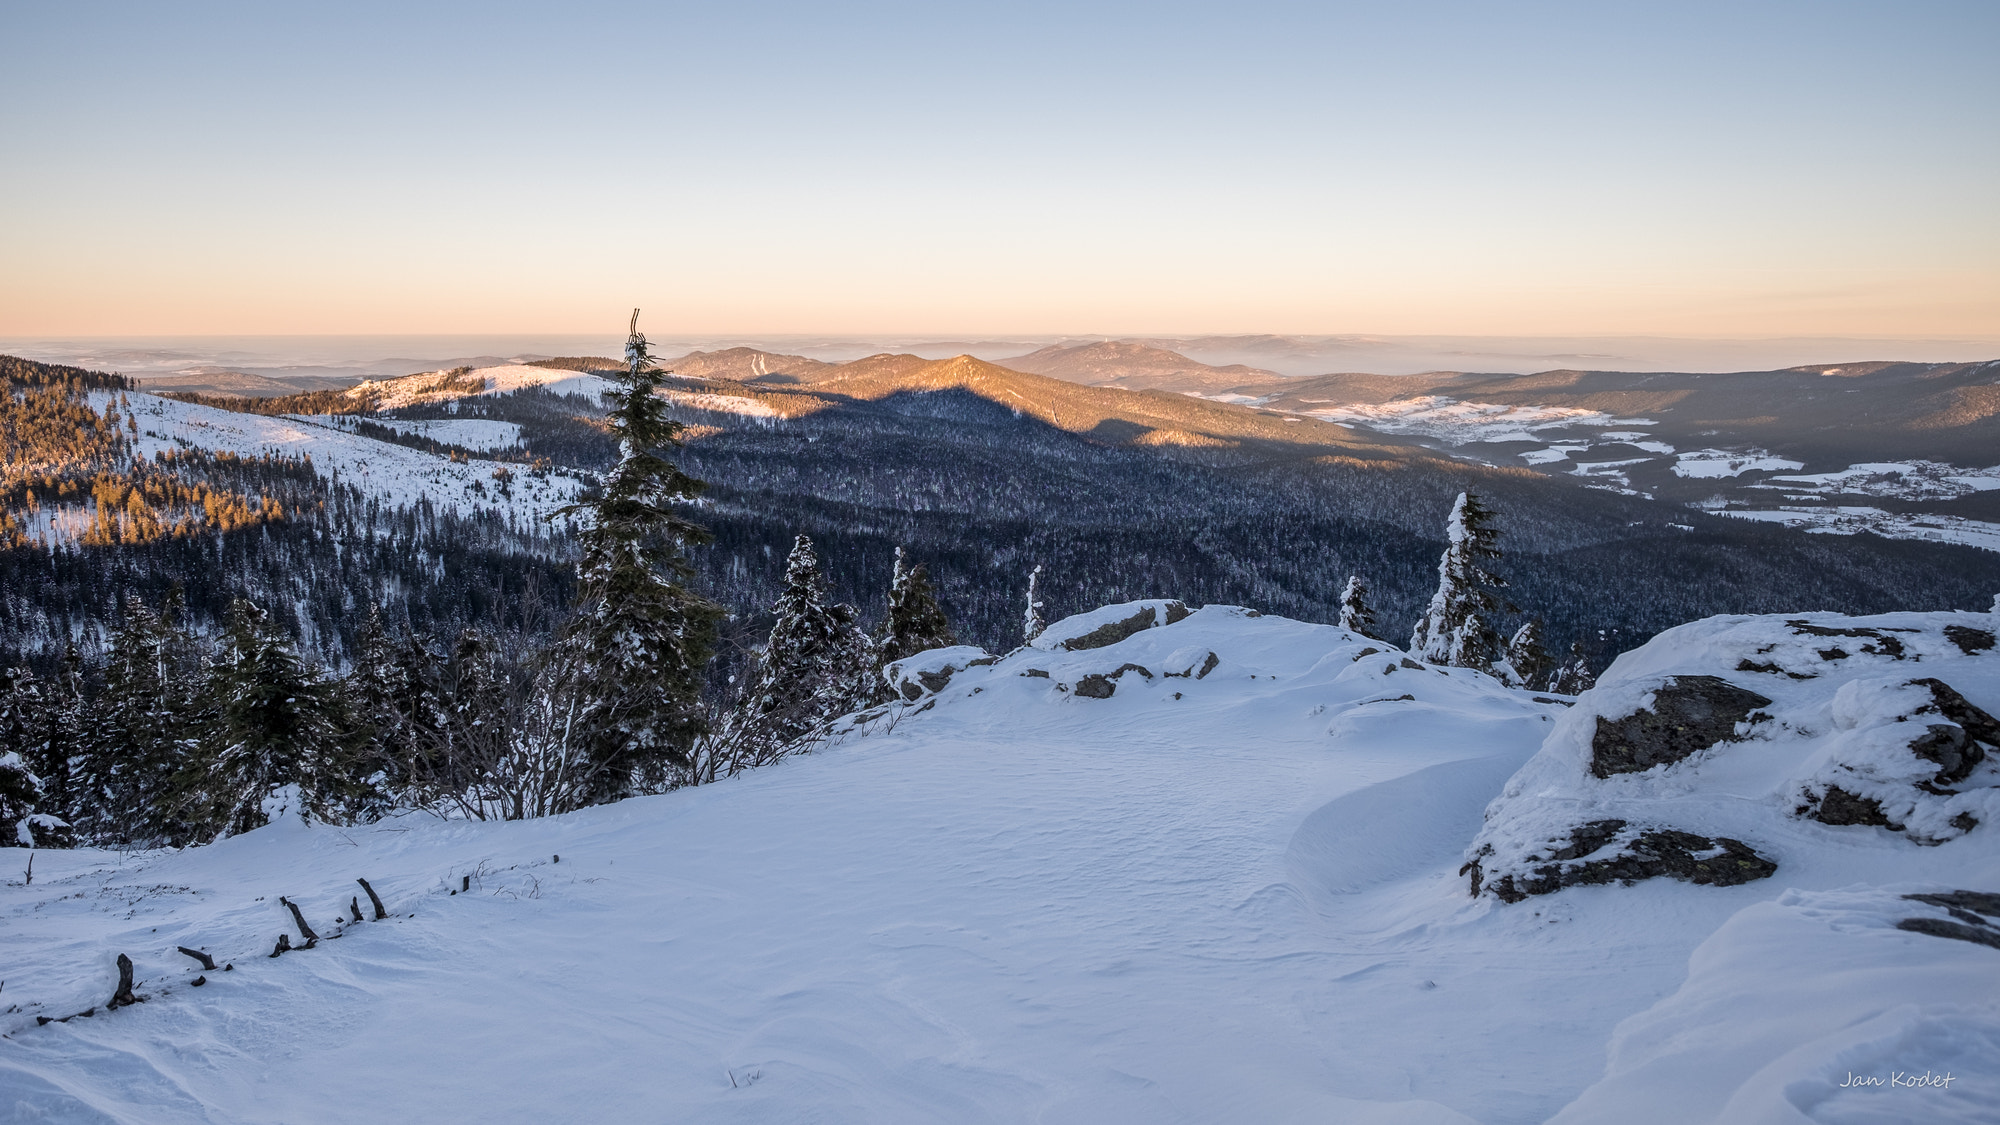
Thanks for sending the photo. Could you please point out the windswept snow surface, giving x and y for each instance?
(397, 474)
(1227, 892)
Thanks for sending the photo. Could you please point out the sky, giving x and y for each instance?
(1736, 169)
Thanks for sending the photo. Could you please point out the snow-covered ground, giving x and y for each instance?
(412, 390)
(398, 474)
(723, 404)
(467, 433)
(1719, 463)
(1206, 872)
(1900, 480)
(1455, 422)
(1853, 520)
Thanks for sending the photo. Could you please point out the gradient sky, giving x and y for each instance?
(1738, 168)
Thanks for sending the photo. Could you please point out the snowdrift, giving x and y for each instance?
(1203, 866)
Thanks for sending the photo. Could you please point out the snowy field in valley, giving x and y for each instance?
(483, 434)
(1458, 423)
(1853, 520)
(397, 474)
(1206, 872)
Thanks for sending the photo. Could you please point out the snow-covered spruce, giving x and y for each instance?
(1719, 748)
(623, 682)
(915, 622)
(1355, 614)
(816, 666)
(1031, 617)
(1457, 628)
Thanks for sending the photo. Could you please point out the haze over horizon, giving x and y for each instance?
(1703, 170)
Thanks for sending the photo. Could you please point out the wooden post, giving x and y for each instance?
(124, 994)
(374, 898)
(298, 916)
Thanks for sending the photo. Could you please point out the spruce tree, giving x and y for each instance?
(1456, 629)
(271, 722)
(53, 749)
(475, 720)
(1528, 655)
(816, 666)
(639, 645)
(138, 737)
(915, 622)
(391, 692)
(1031, 619)
(20, 719)
(1355, 615)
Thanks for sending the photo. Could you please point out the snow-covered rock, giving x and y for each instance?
(1109, 624)
(928, 672)
(1721, 748)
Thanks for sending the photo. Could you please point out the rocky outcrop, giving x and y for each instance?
(1971, 909)
(1932, 739)
(928, 673)
(1688, 714)
(1611, 851)
(1101, 685)
(1111, 632)
(1721, 748)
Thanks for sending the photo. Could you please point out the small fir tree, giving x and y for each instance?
(640, 643)
(20, 718)
(272, 723)
(1528, 655)
(392, 692)
(816, 666)
(54, 747)
(915, 622)
(1355, 614)
(1031, 619)
(1456, 629)
(138, 731)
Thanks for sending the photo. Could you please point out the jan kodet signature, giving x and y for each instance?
(1902, 1079)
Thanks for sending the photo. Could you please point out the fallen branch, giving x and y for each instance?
(284, 945)
(299, 916)
(207, 962)
(374, 898)
(354, 904)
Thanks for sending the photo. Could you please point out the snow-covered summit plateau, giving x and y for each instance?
(1164, 864)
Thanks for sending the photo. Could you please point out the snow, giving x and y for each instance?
(1718, 463)
(1792, 1004)
(1459, 423)
(1853, 520)
(723, 404)
(466, 433)
(397, 474)
(413, 390)
(1902, 480)
(1224, 896)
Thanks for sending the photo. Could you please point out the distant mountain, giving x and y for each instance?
(1147, 419)
(748, 364)
(1133, 366)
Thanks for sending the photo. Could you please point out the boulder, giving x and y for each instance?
(1688, 714)
(1611, 851)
